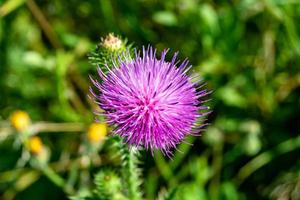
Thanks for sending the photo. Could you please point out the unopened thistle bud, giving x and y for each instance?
(109, 48)
(112, 42)
(109, 185)
(20, 120)
(97, 132)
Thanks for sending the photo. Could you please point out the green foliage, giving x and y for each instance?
(247, 51)
(167, 195)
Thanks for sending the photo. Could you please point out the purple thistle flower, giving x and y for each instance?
(151, 102)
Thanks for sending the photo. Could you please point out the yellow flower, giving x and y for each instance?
(35, 145)
(97, 132)
(20, 120)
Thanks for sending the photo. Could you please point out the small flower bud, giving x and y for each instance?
(35, 145)
(112, 42)
(20, 120)
(96, 132)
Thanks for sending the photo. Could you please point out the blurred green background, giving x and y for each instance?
(248, 52)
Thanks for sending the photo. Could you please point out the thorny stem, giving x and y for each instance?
(130, 171)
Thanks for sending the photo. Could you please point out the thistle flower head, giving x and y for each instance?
(151, 102)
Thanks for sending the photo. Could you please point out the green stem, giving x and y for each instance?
(214, 186)
(53, 177)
